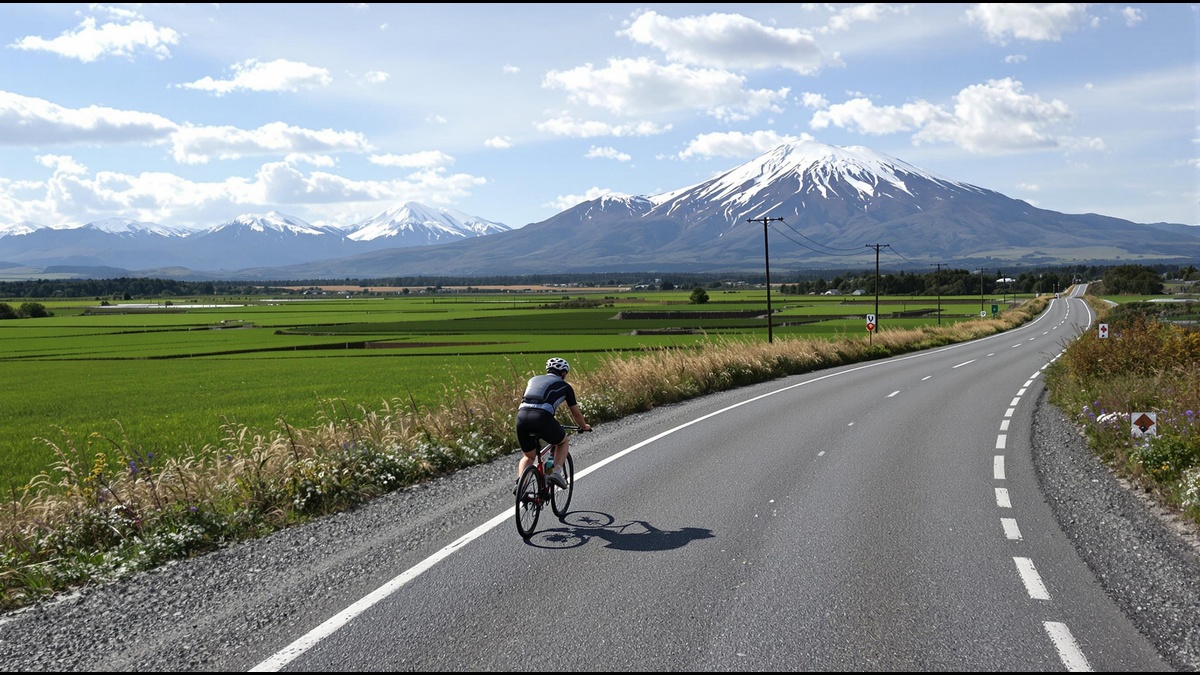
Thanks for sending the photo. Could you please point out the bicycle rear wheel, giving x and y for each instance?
(560, 498)
(529, 502)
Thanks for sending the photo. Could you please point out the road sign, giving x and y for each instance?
(995, 310)
(870, 318)
(982, 314)
(1144, 424)
(871, 326)
(1103, 330)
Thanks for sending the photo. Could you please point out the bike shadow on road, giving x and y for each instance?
(580, 527)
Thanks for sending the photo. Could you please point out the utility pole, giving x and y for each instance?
(766, 256)
(981, 312)
(877, 247)
(937, 281)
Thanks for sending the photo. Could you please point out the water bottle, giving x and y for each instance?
(549, 462)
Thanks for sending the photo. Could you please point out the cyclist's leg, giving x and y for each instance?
(561, 450)
(528, 432)
(527, 458)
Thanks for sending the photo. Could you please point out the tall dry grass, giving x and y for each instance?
(107, 509)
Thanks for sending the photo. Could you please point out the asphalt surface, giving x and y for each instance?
(226, 610)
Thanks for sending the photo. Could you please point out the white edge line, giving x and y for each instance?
(332, 624)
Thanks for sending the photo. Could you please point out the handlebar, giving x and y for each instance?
(573, 427)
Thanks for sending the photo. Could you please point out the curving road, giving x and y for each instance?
(880, 516)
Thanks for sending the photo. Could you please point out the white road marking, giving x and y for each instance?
(1002, 498)
(1033, 582)
(302, 644)
(1010, 528)
(1070, 653)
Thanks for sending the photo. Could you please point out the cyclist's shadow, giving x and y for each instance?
(636, 535)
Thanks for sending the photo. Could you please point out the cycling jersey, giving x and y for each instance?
(547, 392)
(535, 415)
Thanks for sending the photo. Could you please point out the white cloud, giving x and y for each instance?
(498, 142)
(607, 153)
(1133, 16)
(72, 196)
(565, 125)
(726, 41)
(642, 87)
(564, 202)
(872, 12)
(254, 75)
(375, 77)
(90, 42)
(860, 114)
(997, 117)
(1028, 21)
(198, 145)
(423, 160)
(26, 121)
(737, 144)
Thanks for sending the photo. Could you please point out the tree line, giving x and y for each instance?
(1129, 279)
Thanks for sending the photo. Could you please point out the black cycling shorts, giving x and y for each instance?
(534, 425)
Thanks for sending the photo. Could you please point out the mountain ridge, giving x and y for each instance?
(828, 207)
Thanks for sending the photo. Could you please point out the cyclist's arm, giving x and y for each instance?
(578, 417)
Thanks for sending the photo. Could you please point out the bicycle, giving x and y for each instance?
(533, 490)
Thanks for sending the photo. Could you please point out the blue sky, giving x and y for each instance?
(189, 115)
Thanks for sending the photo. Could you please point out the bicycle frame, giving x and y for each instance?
(532, 497)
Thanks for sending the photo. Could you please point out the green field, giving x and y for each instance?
(160, 376)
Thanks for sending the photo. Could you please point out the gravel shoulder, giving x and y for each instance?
(1145, 558)
(209, 613)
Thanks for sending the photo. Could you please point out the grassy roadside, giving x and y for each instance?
(1148, 365)
(107, 511)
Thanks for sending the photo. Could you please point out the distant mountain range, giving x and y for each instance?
(122, 246)
(806, 205)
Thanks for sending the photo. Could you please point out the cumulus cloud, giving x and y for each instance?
(198, 145)
(414, 160)
(564, 202)
(737, 144)
(997, 117)
(1132, 15)
(565, 125)
(254, 75)
(607, 153)
(1038, 22)
(642, 87)
(726, 41)
(128, 36)
(498, 143)
(872, 12)
(28, 121)
(72, 195)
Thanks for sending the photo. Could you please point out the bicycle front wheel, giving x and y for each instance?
(529, 502)
(560, 498)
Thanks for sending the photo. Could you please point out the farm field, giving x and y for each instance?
(157, 375)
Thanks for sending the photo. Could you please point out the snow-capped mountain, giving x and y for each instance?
(829, 207)
(246, 242)
(127, 227)
(415, 223)
(837, 205)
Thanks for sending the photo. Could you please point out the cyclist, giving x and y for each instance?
(535, 417)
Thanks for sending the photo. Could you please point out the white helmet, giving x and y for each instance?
(558, 365)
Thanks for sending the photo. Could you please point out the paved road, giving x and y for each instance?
(881, 516)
